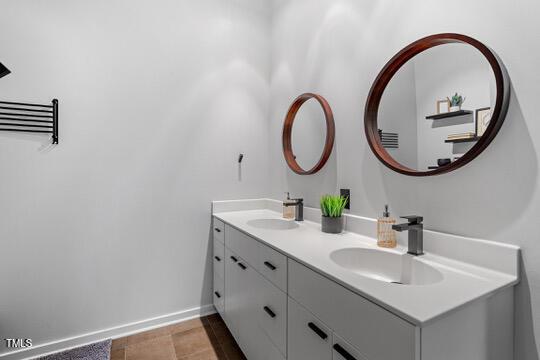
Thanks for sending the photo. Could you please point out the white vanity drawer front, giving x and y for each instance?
(273, 265)
(308, 337)
(218, 229)
(219, 293)
(377, 333)
(219, 258)
(272, 313)
(342, 350)
(245, 246)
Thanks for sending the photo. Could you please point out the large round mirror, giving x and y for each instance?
(436, 105)
(308, 134)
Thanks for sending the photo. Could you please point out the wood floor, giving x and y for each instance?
(199, 339)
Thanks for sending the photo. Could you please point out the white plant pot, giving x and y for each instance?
(455, 108)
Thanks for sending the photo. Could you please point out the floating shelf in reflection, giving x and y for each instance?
(462, 140)
(449, 114)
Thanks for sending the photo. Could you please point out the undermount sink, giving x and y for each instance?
(390, 267)
(273, 224)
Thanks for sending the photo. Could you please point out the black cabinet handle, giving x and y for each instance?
(217, 229)
(234, 259)
(317, 330)
(269, 312)
(217, 294)
(341, 351)
(270, 266)
(242, 266)
(217, 258)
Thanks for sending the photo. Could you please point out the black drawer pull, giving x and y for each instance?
(270, 266)
(217, 294)
(269, 312)
(242, 266)
(217, 258)
(317, 330)
(217, 229)
(341, 351)
(234, 259)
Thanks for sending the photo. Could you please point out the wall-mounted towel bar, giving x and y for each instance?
(30, 118)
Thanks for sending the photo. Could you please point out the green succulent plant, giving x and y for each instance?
(333, 205)
(456, 100)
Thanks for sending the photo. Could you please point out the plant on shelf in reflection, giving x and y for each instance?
(455, 102)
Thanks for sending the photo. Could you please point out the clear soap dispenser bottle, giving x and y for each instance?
(288, 211)
(386, 236)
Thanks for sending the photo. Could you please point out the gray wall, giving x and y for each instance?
(156, 101)
(337, 47)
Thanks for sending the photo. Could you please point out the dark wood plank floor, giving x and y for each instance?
(204, 338)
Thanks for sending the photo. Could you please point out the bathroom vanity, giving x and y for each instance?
(288, 291)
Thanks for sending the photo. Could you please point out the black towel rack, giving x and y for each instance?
(30, 118)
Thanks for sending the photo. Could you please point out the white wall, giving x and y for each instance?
(156, 101)
(337, 47)
(397, 108)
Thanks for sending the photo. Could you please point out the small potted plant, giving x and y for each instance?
(332, 209)
(455, 102)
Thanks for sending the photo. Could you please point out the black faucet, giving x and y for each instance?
(299, 204)
(416, 233)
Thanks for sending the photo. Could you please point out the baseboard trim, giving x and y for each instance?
(110, 333)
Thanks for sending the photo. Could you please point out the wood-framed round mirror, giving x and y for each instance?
(308, 134)
(436, 105)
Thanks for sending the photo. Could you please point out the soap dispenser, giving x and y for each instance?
(386, 236)
(288, 211)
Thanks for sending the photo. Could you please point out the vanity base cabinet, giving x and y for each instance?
(277, 308)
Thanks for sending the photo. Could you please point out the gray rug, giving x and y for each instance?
(96, 351)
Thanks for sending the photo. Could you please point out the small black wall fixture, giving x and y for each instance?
(3, 70)
(30, 118)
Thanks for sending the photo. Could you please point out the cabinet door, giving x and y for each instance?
(219, 294)
(342, 350)
(308, 337)
(232, 292)
(272, 314)
(248, 290)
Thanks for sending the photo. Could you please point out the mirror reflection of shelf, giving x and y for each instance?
(449, 114)
(462, 140)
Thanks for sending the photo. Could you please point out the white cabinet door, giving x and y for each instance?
(232, 293)
(308, 337)
(342, 350)
(272, 313)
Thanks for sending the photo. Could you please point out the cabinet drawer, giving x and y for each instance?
(379, 334)
(218, 229)
(245, 246)
(219, 293)
(272, 313)
(273, 266)
(308, 337)
(219, 258)
(342, 350)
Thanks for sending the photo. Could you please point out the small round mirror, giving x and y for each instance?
(436, 105)
(308, 134)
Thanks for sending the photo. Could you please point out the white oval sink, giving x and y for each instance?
(273, 224)
(386, 266)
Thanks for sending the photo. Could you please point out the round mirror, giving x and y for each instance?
(308, 134)
(436, 105)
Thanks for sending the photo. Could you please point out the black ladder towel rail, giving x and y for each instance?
(30, 118)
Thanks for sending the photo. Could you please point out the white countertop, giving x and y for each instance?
(418, 304)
